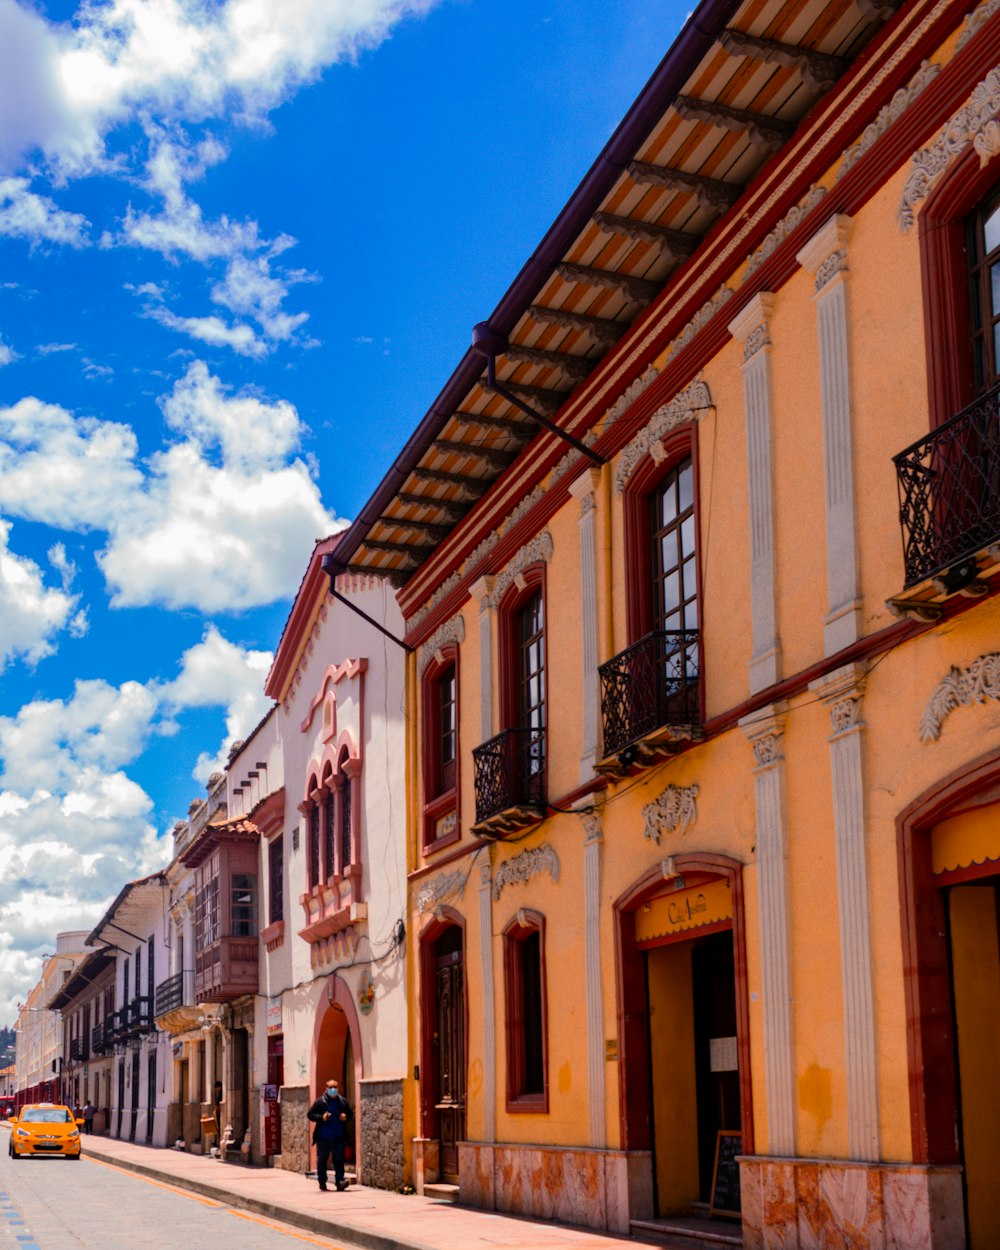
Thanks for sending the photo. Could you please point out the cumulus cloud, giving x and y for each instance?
(7, 354)
(220, 521)
(31, 613)
(36, 218)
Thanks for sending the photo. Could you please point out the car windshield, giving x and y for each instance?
(46, 1115)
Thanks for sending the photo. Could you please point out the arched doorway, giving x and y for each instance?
(443, 1034)
(336, 1046)
(684, 1064)
(950, 883)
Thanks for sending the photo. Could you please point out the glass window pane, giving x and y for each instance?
(996, 345)
(687, 536)
(668, 552)
(991, 229)
(671, 592)
(687, 487)
(668, 505)
(995, 288)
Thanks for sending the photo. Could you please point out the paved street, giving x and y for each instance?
(131, 1197)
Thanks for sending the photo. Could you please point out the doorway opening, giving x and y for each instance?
(335, 1051)
(443, 1043)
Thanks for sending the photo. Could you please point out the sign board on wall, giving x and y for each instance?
(682, 911)
(273, 1017)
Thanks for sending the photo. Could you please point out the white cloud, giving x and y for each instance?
(250, 290)
(7, 354)
(211, 330)
(31, 613)
(50, 349)
(25, 215)
(221, 521)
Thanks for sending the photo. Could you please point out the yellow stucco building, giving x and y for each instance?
(704, 703)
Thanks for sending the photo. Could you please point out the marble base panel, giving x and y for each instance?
(602, 1189)
(831, 1204)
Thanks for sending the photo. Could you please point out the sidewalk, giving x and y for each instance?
(370, 1218)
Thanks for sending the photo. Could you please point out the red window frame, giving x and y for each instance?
(522, 931)
(439, 798)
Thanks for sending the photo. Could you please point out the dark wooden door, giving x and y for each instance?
(450, 1057)
(135, 1095)
(150, 1093)
(121, 1095)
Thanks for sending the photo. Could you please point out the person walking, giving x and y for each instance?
(89, 1112)
(332, 1116)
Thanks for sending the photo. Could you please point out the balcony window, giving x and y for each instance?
(439, 703)
(244, 904)
(276, 880)
(524, 980)
(983, 251)
(330, 829)
(346, 817)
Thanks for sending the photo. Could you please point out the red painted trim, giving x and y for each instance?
(514, 934)
(930, 1043)
(634, 1071)
(438, 804)
(269, 814)
(334, 674)
(971, 872)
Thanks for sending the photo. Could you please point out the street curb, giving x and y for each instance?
(361, 1237)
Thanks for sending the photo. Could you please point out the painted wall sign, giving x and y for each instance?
(679, 912)
(274, 1015)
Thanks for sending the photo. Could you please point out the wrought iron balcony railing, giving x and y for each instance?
(169, 995)
(97, 1039)
(949, 491)
(650, 685)
(510, 773)
(77, 1050)
(140, 1019)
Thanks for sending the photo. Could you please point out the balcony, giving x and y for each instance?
(226, 969)
(949, 509)
(175, 1008)
(510, 781)
(650, 700)
(78, 1050)
(134, 1019)
(97, 1039)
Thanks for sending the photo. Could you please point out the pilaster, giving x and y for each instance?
(825, 256)
(765, 731)
(841, 692)
(584, 489)
(593, 836)
(489, 999)
(482, 590)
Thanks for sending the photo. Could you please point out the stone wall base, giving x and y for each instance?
(595, 1188)
(296, 1131)
(834, 1204)
(380, 1121)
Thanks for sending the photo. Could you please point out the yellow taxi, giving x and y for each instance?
(45, 1128)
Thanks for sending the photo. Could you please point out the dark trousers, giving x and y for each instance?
(88, 1126)
(334, 1151)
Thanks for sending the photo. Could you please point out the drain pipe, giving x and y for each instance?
(333, 567)
(491, 343)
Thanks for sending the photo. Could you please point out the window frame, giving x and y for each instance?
(276, 854)
(523, 926)
(438, 800)
(530, 581)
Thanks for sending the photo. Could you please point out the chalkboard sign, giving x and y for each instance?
(725, 1197)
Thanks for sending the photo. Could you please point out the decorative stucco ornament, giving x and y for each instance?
(524, 507)
(540, 548)
(888, 115)
(439, 887)
(451, 632)
(689, 405)
(478, 553)
(975, 123)
(674, 809)
(783, 229)
(701, 319)
(975, 21)
(521, 868)
(442, 592)
(961, 688)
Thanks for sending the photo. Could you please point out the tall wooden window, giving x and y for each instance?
(983, 252)
(346, 816)
(439, 748)
(330, 829)
(313, 844)
(531, 676)
(276, 880)
(447, 728)
(524, 978)
(672, 529)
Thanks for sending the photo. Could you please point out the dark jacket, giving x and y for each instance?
(335, 1106)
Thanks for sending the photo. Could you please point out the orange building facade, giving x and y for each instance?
(704, 703)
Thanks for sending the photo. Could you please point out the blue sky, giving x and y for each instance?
(242, 246)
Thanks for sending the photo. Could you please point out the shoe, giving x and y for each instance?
(341, 1187)
(322, 1189)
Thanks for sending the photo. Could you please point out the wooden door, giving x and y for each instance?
(450, 986)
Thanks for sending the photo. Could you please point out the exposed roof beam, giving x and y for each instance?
(395, 577)
(572, 366)
(712, 193)
(603, 329)
(436, 533)
(521, 430)
(414, 553)
(767, 134)
(454, 509)
(818, 69)
(474, 486)
(493, 456)
(551, 401)
(883, 9)
(677, 244)
(639, 289)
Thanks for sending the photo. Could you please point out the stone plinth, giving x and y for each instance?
(380, 1144)
(832, 1204)
(296, 1131)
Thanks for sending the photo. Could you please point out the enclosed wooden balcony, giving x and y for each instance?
(509, 781)
(650, 699)
(949, 509)
(226, 969)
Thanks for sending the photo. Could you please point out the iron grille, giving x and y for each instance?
(949, 490)
(170, 994)
(510, 772)
(140, 1020)
(77, 1050)
(97, 1039)
(651, 684)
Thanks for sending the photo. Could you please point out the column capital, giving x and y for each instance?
(584, 489)
(593, 824)
(485, 875)
(764, 730)
(754, 316)
(841, 693)
(829, 243)
(482, 589)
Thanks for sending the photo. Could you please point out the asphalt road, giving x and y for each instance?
(53, 1204)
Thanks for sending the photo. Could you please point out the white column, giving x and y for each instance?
(585, 490)
(765, 730)
(489, 1001)
(841, 692)
(825, 256)
(482, 590)
(751, 329)
(593, 836)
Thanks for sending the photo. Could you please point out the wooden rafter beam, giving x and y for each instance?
(712, 194)
(521, 430)
(474, 486)
(882, 9)
(818, 69)
(410, 551)
(550, 401)
(571, 366)
(639, 289)
(436, 533)
(603, 329)
(676, 244)
(767, 134)
(493, 456)
(395, 577)
(454, 509)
